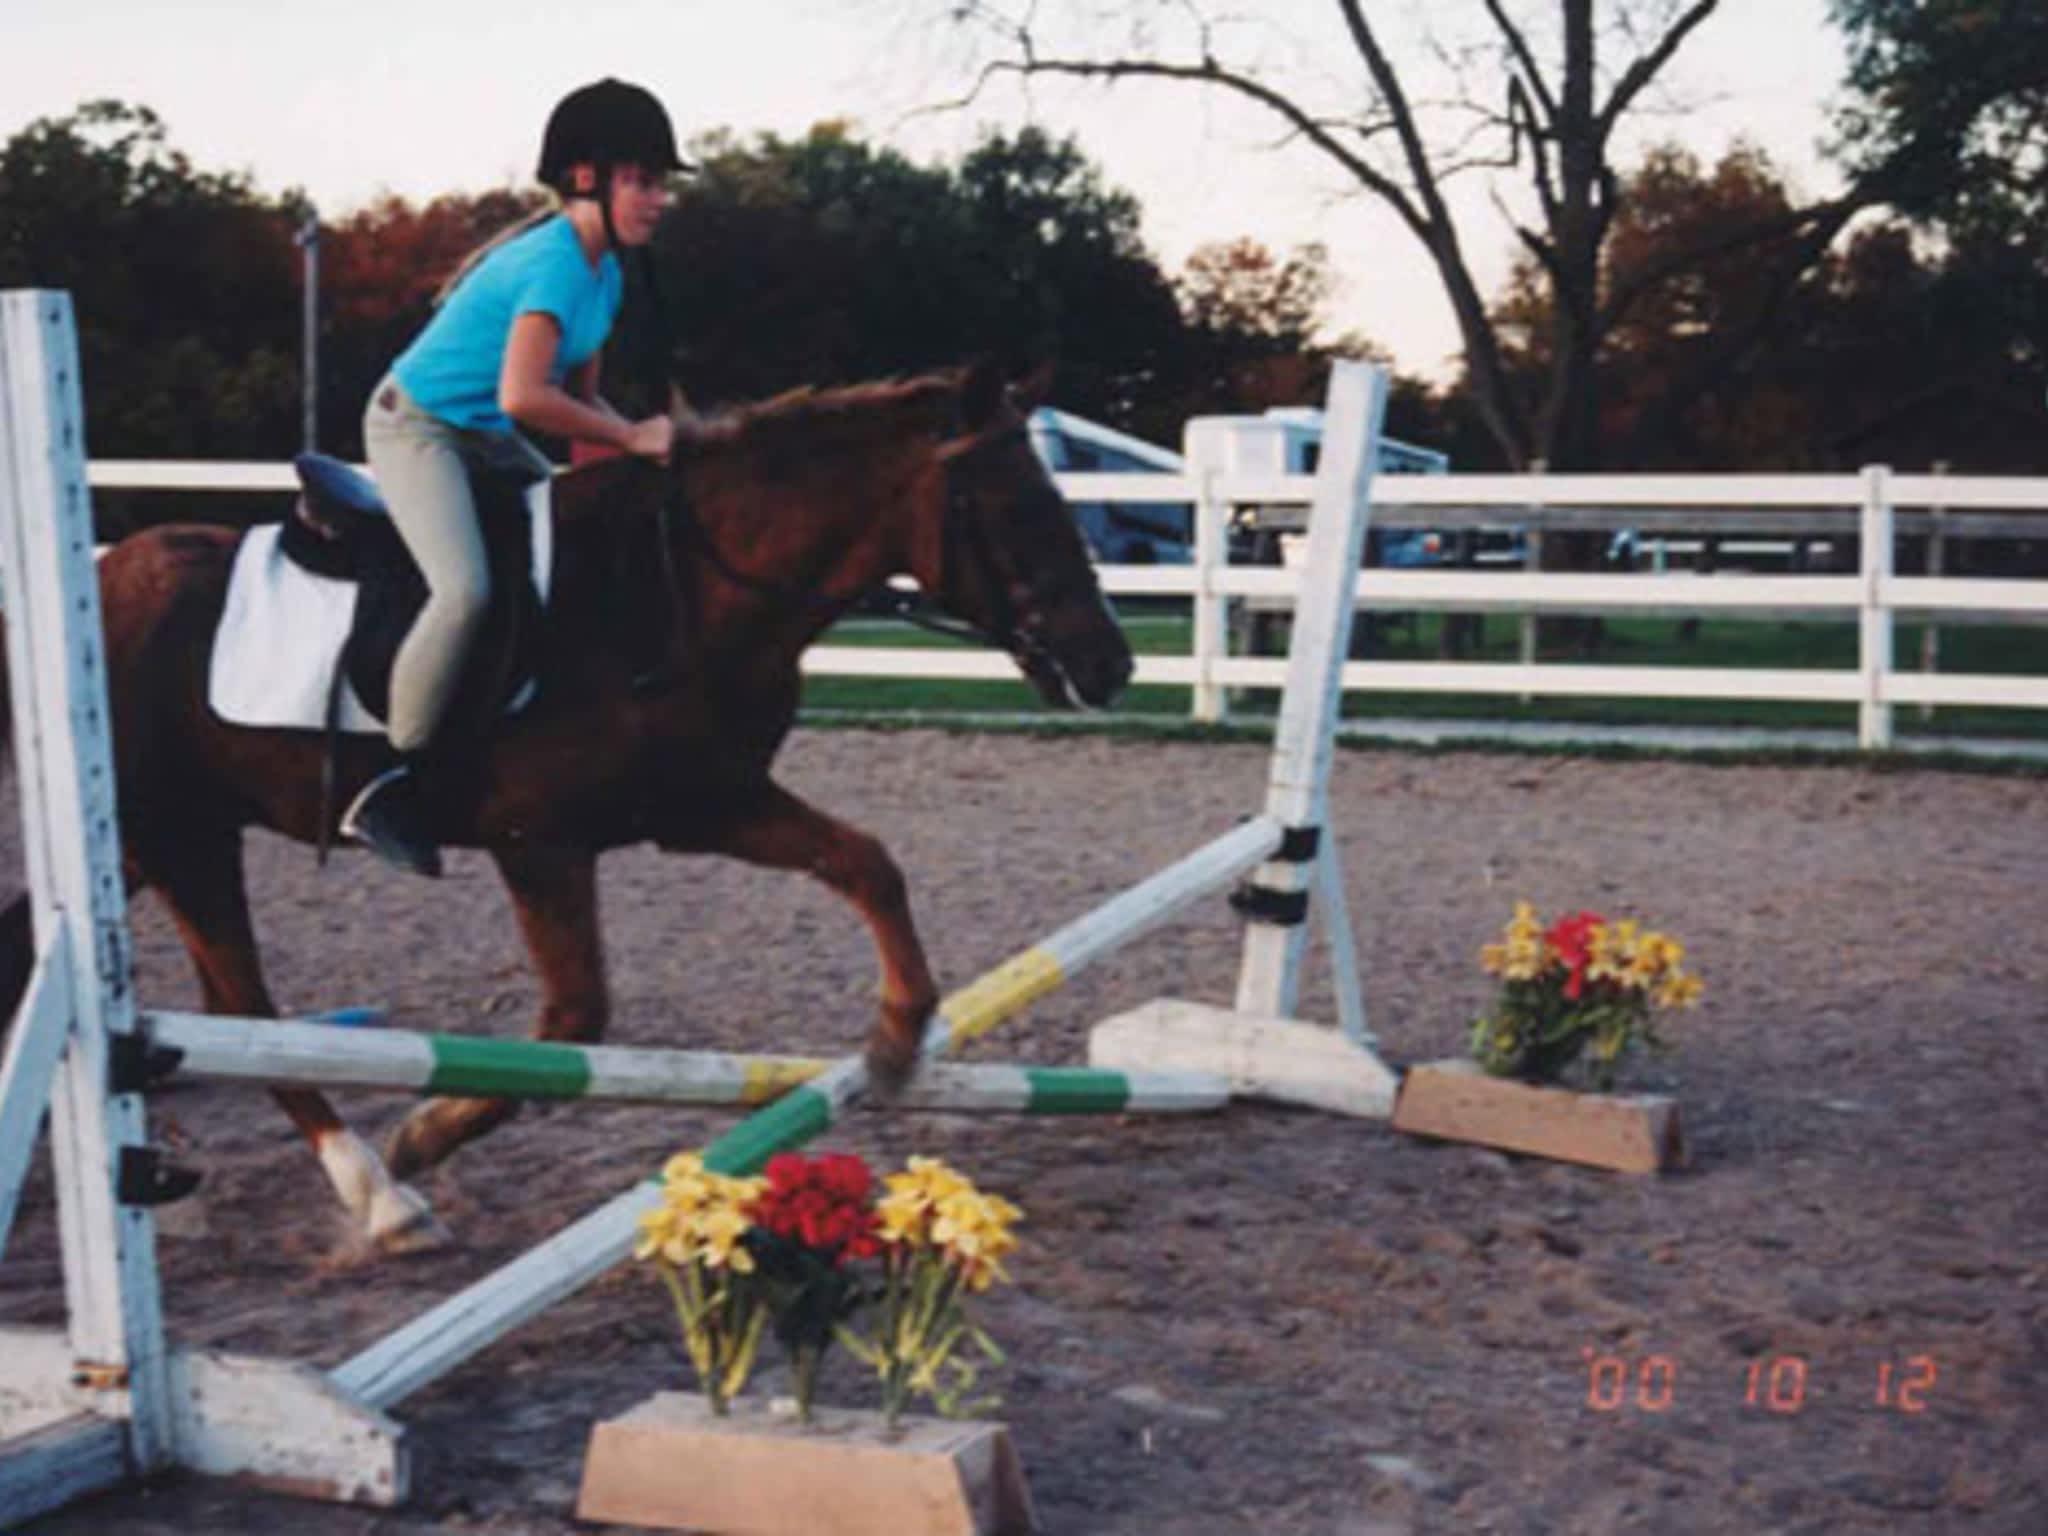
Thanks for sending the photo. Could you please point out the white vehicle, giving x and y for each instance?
(1286, 440)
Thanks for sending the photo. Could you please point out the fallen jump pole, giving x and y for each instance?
(445, 1336)
(301, 1053)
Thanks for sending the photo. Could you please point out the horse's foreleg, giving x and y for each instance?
(202, 885)
(780, 831)
(554, 894)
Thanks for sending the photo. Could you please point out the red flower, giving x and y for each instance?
(823, 1203)
(1571, 939)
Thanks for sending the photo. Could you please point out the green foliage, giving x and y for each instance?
(824, 260)
(1950, 100)
(183, 281)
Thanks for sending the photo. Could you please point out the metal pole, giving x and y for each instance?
(308, 241)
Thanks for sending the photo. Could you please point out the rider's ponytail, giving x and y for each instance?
(511, 231)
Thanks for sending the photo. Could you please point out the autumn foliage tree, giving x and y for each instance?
(381, 268)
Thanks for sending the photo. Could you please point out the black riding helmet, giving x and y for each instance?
(602, 125)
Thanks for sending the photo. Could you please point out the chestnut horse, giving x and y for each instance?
(819, 498)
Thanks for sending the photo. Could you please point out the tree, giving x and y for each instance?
(1956, 91)
(1252, 320)
(823, 260)
(1955, 94)
(1742, 416)
(184, 283)
(1892, 346)
(1535, 94)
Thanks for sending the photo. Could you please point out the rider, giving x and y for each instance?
(514, 343)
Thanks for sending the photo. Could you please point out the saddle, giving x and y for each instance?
(341, 529)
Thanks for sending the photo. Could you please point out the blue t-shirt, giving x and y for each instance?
(453, 365)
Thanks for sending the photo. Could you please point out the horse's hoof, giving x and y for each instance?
(890, 1061)
(400, 1159)
(401, 1221)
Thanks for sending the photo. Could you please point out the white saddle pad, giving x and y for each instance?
(283, 628)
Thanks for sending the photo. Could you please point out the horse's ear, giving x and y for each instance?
(981, 393)
(1035, 388)
(678, 402)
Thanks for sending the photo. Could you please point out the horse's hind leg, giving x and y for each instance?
(201, 882)
(554, 894)
(779, 831)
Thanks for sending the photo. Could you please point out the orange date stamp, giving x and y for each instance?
(1771, 1384)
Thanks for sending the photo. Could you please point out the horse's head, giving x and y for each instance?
(998, 548)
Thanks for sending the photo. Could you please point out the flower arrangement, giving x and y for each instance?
(943, 1241)
(1582, 985)
(808, 1248)
(696, 1238)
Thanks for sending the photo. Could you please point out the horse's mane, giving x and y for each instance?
(854, 411)
(799, 424)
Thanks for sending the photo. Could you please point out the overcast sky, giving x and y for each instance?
(427, 96)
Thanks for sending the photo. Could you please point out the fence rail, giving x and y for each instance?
(1876, 508)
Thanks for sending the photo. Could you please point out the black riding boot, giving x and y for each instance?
(392, 818)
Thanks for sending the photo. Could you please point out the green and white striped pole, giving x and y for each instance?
(442, 1338)
(303, 1053)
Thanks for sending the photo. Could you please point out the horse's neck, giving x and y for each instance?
(800, 548)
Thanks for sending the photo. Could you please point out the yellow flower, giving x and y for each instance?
(1493, 958)
(701, 1218)
(657, 1230)
(1657, 958)
(901, 1218)
(973, 1229)
(1679, 990)
(1524, 926)
(1525, 959)
(1610, 948)
(914, 1193)
(719, 1232)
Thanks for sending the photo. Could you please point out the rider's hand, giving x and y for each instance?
(652, 438)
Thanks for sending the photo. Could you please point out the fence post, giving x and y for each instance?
(1532, 560)
(1874, 715)
(1937, 540)
(1211, 606)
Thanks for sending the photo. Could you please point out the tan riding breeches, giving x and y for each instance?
(421, 464)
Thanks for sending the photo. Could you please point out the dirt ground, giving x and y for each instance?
(1263, 1321)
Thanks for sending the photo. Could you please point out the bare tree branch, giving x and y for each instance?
(1817, 225)
(1440, 235)
(1646, 66)
(1532, 76)
(1209, 72)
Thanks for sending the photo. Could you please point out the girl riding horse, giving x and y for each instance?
(514, 343)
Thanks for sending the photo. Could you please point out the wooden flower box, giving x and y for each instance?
(1458, 1101)
(671, 1464)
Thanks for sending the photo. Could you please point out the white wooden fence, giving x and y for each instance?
(1882, 504)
